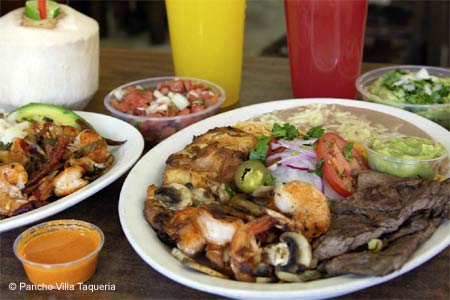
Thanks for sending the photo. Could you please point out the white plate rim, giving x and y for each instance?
(135, 226)
(129, 153)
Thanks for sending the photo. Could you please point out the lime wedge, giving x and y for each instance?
(32, 12)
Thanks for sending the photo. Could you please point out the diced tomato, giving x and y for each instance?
(213, 100)
(135, 100)
(338, 170)
(122, 106)
(170, 113)
(176, 86)
(191, 97)
(187, 85)
(206, 95)
(183, 112)
(148, 95)
(154, 115)
(197, 108)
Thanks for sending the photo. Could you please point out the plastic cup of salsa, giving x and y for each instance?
(59, 252)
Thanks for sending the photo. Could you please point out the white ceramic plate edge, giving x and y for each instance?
(135, 226)
(126, 155)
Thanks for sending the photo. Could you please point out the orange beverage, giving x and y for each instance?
(207, 40)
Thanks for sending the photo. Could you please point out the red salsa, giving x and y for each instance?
(170, 98)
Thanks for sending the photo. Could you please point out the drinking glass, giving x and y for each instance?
(325, 42)
(207, 40)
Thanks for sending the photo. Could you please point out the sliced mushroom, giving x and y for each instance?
(263, 191)
(293, 252)
(189, 262)
(299, 248)
(266, 279)
(240, 203)
(202, 196)
(277, 254)
(283, 221)
(220, 190)
(174, 196)
(307, 275)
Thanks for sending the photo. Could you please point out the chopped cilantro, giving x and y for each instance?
(261, 149)
(315, 132)
(348, 186)
(199, 102)
(269, 180)
(331, 201)
(348, 152)
(286, 131)
(318, 170)
(140, 88)
(229, 190)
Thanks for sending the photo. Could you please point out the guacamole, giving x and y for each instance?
(406, 156)
(412, 88)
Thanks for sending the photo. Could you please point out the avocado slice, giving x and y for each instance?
(35, 112)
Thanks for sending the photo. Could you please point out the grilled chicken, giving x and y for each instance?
(211, 157)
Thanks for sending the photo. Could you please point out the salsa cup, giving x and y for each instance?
(71, 266)
(156, 129)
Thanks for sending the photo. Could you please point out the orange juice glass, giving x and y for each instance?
(207, 40)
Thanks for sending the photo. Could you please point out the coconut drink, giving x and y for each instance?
(49, 53)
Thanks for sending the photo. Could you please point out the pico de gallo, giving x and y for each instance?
(170, 98)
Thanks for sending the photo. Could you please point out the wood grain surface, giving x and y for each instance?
(264, 79)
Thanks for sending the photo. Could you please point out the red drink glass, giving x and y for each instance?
(325, 41)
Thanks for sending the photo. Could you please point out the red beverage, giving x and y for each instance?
(325, 41)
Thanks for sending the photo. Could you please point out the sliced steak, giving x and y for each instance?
(376, 209)
(386, 261)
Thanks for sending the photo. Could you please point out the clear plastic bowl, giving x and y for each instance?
(69, 272)
(406, 167)
(439, 113)
(157, 129)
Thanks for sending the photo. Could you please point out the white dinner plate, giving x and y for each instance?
(145, 242)
(125, 156)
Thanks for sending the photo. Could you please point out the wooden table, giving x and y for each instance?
(264, 79)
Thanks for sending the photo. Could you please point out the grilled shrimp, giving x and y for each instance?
(14, 174)
(245, 253)
(91, 145)
(69, 181)
(195, 227)
(217, 228)
(219, 256)
(307, 206)
(13, 178)
(182, 227)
